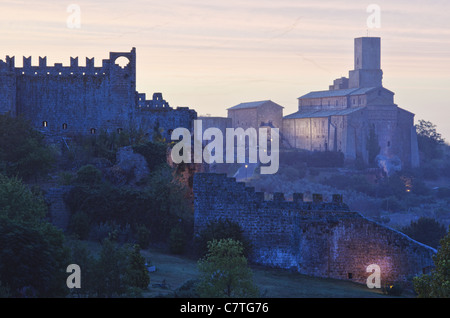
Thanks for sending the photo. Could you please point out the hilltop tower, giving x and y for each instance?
(367, 70)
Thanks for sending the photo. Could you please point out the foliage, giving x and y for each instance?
(18, 203)
(373, 146)
(426, 230)
(153, 152)
(119, 271)
(142, 236)
(159, 206)
(187, 290)
(224, 271)
(89, 175)
(429, 140)
(136, 274)
(221, 229)
(110, 270)
(33, 254)
(80, 225)
(392, 204)
(22, 149)
(103, 145)
(177, 240)
(437, 283)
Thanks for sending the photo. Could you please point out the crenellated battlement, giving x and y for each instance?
(58, 69)
(317, 238)
(221, 185)
(66, 100)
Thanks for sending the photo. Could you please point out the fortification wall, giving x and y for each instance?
(69, 100)
(316, 238)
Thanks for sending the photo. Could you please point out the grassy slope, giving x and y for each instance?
(273, 283)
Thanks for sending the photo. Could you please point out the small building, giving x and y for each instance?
(257, 114)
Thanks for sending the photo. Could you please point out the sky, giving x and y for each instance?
(210, 55)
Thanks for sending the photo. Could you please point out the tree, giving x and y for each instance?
(32, 255)
(425, 230)
(224, 271)
(429, 140)
(110, 270)
(437, 283)
(222, 229)
(373, 146)
(22, 149)
(136, 274)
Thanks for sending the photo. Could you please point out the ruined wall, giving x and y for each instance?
(75, 99)
(314, 238)
(69, 100)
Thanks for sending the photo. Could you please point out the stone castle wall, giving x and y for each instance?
(70, 100)
(316, 238)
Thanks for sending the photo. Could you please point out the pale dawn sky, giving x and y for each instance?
(211, 55)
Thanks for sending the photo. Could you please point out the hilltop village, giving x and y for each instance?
(347, 159)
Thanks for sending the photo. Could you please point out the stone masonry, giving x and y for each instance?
(70, 100)
(314, 238)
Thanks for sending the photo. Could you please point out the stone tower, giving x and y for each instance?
(367, 71)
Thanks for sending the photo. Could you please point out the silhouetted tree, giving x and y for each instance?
(437, 283)
(224, 271)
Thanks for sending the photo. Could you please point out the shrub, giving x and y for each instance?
(143, 236)
(187, 290)
(80, 225)
(89, 175)
(177, 240)
(153, 152)
(425, 230)
(392, 204)
(222, 229)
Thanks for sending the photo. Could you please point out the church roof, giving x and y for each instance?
(322, 113)
(252, 105)
(339, 92)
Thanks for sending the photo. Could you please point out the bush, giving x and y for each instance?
(177, 240)
(426, 230)
(222, 229)
(80, 225)
(153, 152)
(89, 175)
(23, 151)
(392, 204)
(187, 290)
(143, 236)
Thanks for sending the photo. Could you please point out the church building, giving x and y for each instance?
(342, 117)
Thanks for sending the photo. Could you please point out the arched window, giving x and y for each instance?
(64, 126)
(93, 131)
(44, 123)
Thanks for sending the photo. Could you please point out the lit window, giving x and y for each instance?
(119, 130)
(64, 126)
(93, 131)
(44, 123)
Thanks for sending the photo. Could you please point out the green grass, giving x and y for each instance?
(273, 283)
